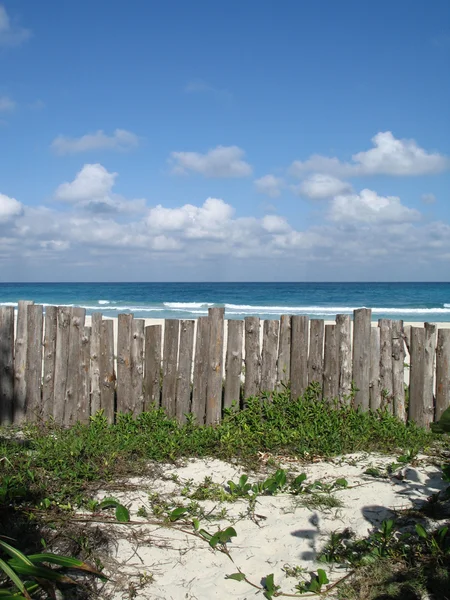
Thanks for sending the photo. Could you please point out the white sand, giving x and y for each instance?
(166, 563)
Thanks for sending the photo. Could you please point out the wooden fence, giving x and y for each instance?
(53, 365)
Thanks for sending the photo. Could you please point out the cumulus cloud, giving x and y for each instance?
(92, 190)
(389, 156)
(275, 224)
(369, 207)
(6, 104)
(11, 34)
(269, 185)
(222, 161)
(428, 198)
(10, 208)
(319, 186)
(120, 140)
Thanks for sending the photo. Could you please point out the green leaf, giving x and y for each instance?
(42, 572)
(421, 531)
(341, 482)
(109, 503)
(322, 577)
(122, 514)
(196, 524)
(62, 561)
(14, 578)
(205, 534)
(243, 480)
(269, 583)
(17, 554)
(299, 479)
(236, 576)
(177, 513)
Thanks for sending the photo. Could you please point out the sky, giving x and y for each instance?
(224, 141)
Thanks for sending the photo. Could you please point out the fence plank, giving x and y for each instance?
(170, 366)
(330, 364)
(124, 335)
(137, 366)
(84, 395)
(20, 363)
(107, 374)
(73, 368)
(442, 372)
(299, 355)
(48, 385)
(183, 393)
(375, 355)
(386, 382)
(61, 363)
(407, 337)
(315, 358)
(343, 327)
(416, 407)
(252, 357)
(198, 407)
(398, 369)
(35, 322)
(428, 375)
(152, 372)
(214, 382)
(233, 367)
(96, 336)
(284, 352)
(361, 356)
(269, 355)
(6, 364)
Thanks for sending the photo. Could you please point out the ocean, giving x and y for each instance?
(407, 301)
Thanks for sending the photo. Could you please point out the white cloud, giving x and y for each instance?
(428, 198)
(120, 140)
(10, 34)
(390, 156)
(269, 185)
(10, 208)
(222, 161)
(275, 224)
(6, 104)
(319, 186)
(369, 207)
(92, 190)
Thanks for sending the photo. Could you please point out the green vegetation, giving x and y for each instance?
(49, 471)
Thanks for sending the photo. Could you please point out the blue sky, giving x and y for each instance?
(224, 141)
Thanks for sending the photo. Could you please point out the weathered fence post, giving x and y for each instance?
(170, 366)
(386, 383)
(214, 383)
(442, 372)
(96, 336)
(124, 334)
(269, 355)
(198, 407)
(299, 355)
(61, 363)
(343, 326)
(137, 366)
(330, 364)
(252, 358)
(398, 369)
(107, 375)
(429, 361)
(35, 321)
(416, 406)
(78, 316)
(315, 358)
(375, 391)
(183, 398)
(6, 364)
(84, 396)
(233, 367)
(152, 372)
(48, 385)
(361, 356)
(284, 352)
(20, 363)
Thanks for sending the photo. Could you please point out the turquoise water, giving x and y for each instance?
(407, 301)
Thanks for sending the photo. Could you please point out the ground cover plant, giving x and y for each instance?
(49, 472)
